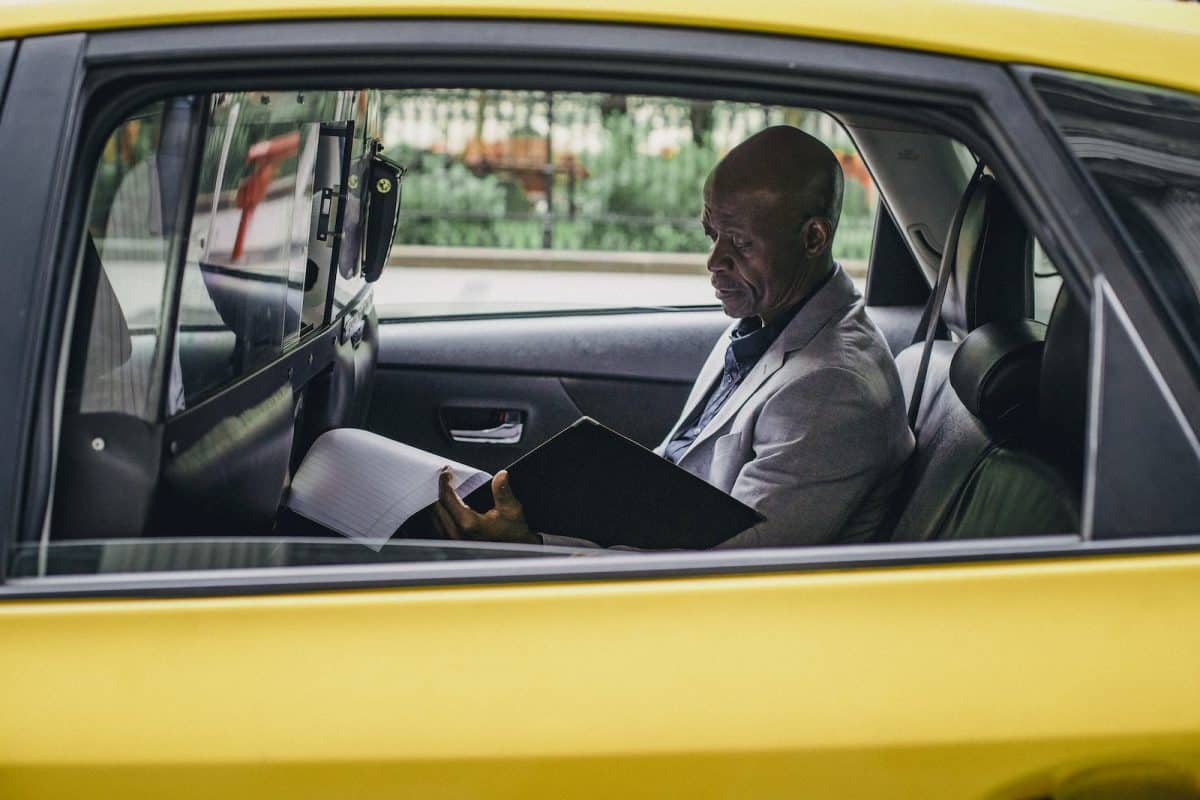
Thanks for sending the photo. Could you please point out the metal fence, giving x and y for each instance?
(574, 171)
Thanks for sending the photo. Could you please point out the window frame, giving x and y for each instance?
(114, 71)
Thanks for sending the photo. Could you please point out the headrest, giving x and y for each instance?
(991, 274)
(1062, 405)
(996, 369)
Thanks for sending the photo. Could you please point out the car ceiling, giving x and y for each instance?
(920, 173)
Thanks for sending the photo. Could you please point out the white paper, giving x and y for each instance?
(365, 486)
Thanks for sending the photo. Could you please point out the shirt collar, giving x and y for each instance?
(750, 338)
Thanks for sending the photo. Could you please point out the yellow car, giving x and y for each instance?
(210, 269)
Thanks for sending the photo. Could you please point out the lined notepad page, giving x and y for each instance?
(365, 486)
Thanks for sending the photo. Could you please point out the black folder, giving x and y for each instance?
(591, 482)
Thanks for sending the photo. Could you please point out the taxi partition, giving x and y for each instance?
(224, 271)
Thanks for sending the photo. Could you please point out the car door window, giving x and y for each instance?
(552, 201)
(256, 274)
(500, 186)
(512, 201)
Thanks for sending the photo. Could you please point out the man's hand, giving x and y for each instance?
(504, 523)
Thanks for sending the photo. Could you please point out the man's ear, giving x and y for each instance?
(816, 236)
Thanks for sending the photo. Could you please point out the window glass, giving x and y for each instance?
(1141, 145)
(514, 202)
(99, 557)
(129, 226)
(256, 274)
(531, 201)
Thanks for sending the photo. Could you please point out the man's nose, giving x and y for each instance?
(718, 257)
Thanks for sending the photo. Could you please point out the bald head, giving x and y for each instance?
(798, 170)
(770, 208)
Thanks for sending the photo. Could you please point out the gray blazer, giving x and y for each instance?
(815, 437)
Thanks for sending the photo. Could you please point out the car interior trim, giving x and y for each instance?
(483, 345)
(43, 93)
(8, 50)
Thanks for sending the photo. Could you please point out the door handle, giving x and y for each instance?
(501, 426)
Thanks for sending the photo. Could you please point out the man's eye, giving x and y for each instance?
(711, 234)
(739, 243)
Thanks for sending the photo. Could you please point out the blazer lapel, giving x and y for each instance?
(830, 299)
(770, 362)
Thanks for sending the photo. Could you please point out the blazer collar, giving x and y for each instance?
(830, 300)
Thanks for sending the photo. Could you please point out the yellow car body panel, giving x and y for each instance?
(986, 680)
(1155, 41)
(994, 680)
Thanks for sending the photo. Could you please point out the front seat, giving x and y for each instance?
(979, 469)
(975, 471)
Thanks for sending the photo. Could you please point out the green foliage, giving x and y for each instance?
(445, 204)
(628, 200)
(637, 201)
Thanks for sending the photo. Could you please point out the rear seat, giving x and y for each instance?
(981, 465)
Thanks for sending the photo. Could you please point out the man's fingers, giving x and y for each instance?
(446, 494)
(463, 517)
(444, 522)
(502, 491)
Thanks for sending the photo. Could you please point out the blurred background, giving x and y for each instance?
(514, 201)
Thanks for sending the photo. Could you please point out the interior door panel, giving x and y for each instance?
(631, 372)
(665, 345)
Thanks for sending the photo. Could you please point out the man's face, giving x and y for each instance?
(758, 259)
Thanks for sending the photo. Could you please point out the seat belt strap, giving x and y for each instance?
(932, 316)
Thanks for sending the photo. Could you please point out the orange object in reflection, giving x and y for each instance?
(266, 156)
(855, 170)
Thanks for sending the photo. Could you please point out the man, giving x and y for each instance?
(798, 411)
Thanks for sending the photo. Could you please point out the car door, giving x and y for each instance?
(447, 385)
(1013, 668)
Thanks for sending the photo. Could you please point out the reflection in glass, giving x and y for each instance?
(258, 262)
(135, 202)
(1141, 145)
(115, 556)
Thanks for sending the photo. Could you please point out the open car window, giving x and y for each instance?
(552, 201)
(234, 264)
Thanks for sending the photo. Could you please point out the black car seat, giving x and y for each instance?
(990, 280)
(1063, 387)
(978, 469)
